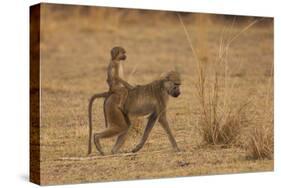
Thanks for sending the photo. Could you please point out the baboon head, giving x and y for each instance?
(118, 53)
(172, 82)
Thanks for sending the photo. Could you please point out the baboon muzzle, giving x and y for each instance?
(123, 57)
(176, 94)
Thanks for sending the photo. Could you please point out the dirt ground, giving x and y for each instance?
(74, 55)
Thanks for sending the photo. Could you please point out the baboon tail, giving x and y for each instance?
(99, 95)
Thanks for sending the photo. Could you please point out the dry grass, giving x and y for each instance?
(219, 124)
(220, 121)
(261, 141)
(261, 144)
(75, 53)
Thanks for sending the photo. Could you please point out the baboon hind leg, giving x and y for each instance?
(117, 125)
(107, 133)
(119, 142)
(122, 136)
(104, 112)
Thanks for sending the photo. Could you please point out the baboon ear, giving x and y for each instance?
(163, 76)
(172, 76)
(167, 84)
(114, 53)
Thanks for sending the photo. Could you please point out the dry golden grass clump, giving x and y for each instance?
(223, 128)
(218, 124)
(261, 141)
(261, 144)
(220, 121)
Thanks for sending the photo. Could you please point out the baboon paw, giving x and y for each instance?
(177, 149)
(101, 152)
(135, 150)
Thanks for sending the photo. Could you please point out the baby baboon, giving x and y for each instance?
(150, 99)
(117, 86)
(115, 78)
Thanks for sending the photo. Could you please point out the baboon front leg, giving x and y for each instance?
(151, 122)
(119, 142)
(104, 112)
(164, 123)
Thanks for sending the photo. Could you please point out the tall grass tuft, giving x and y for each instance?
(261, 145)
(261, 141)
(220, 119)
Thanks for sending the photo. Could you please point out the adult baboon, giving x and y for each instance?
(150, 99)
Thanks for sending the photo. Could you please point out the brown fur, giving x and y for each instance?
(150, 99)
(117, 86)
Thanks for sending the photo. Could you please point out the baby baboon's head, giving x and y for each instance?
(172, 82)
(118, 53)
